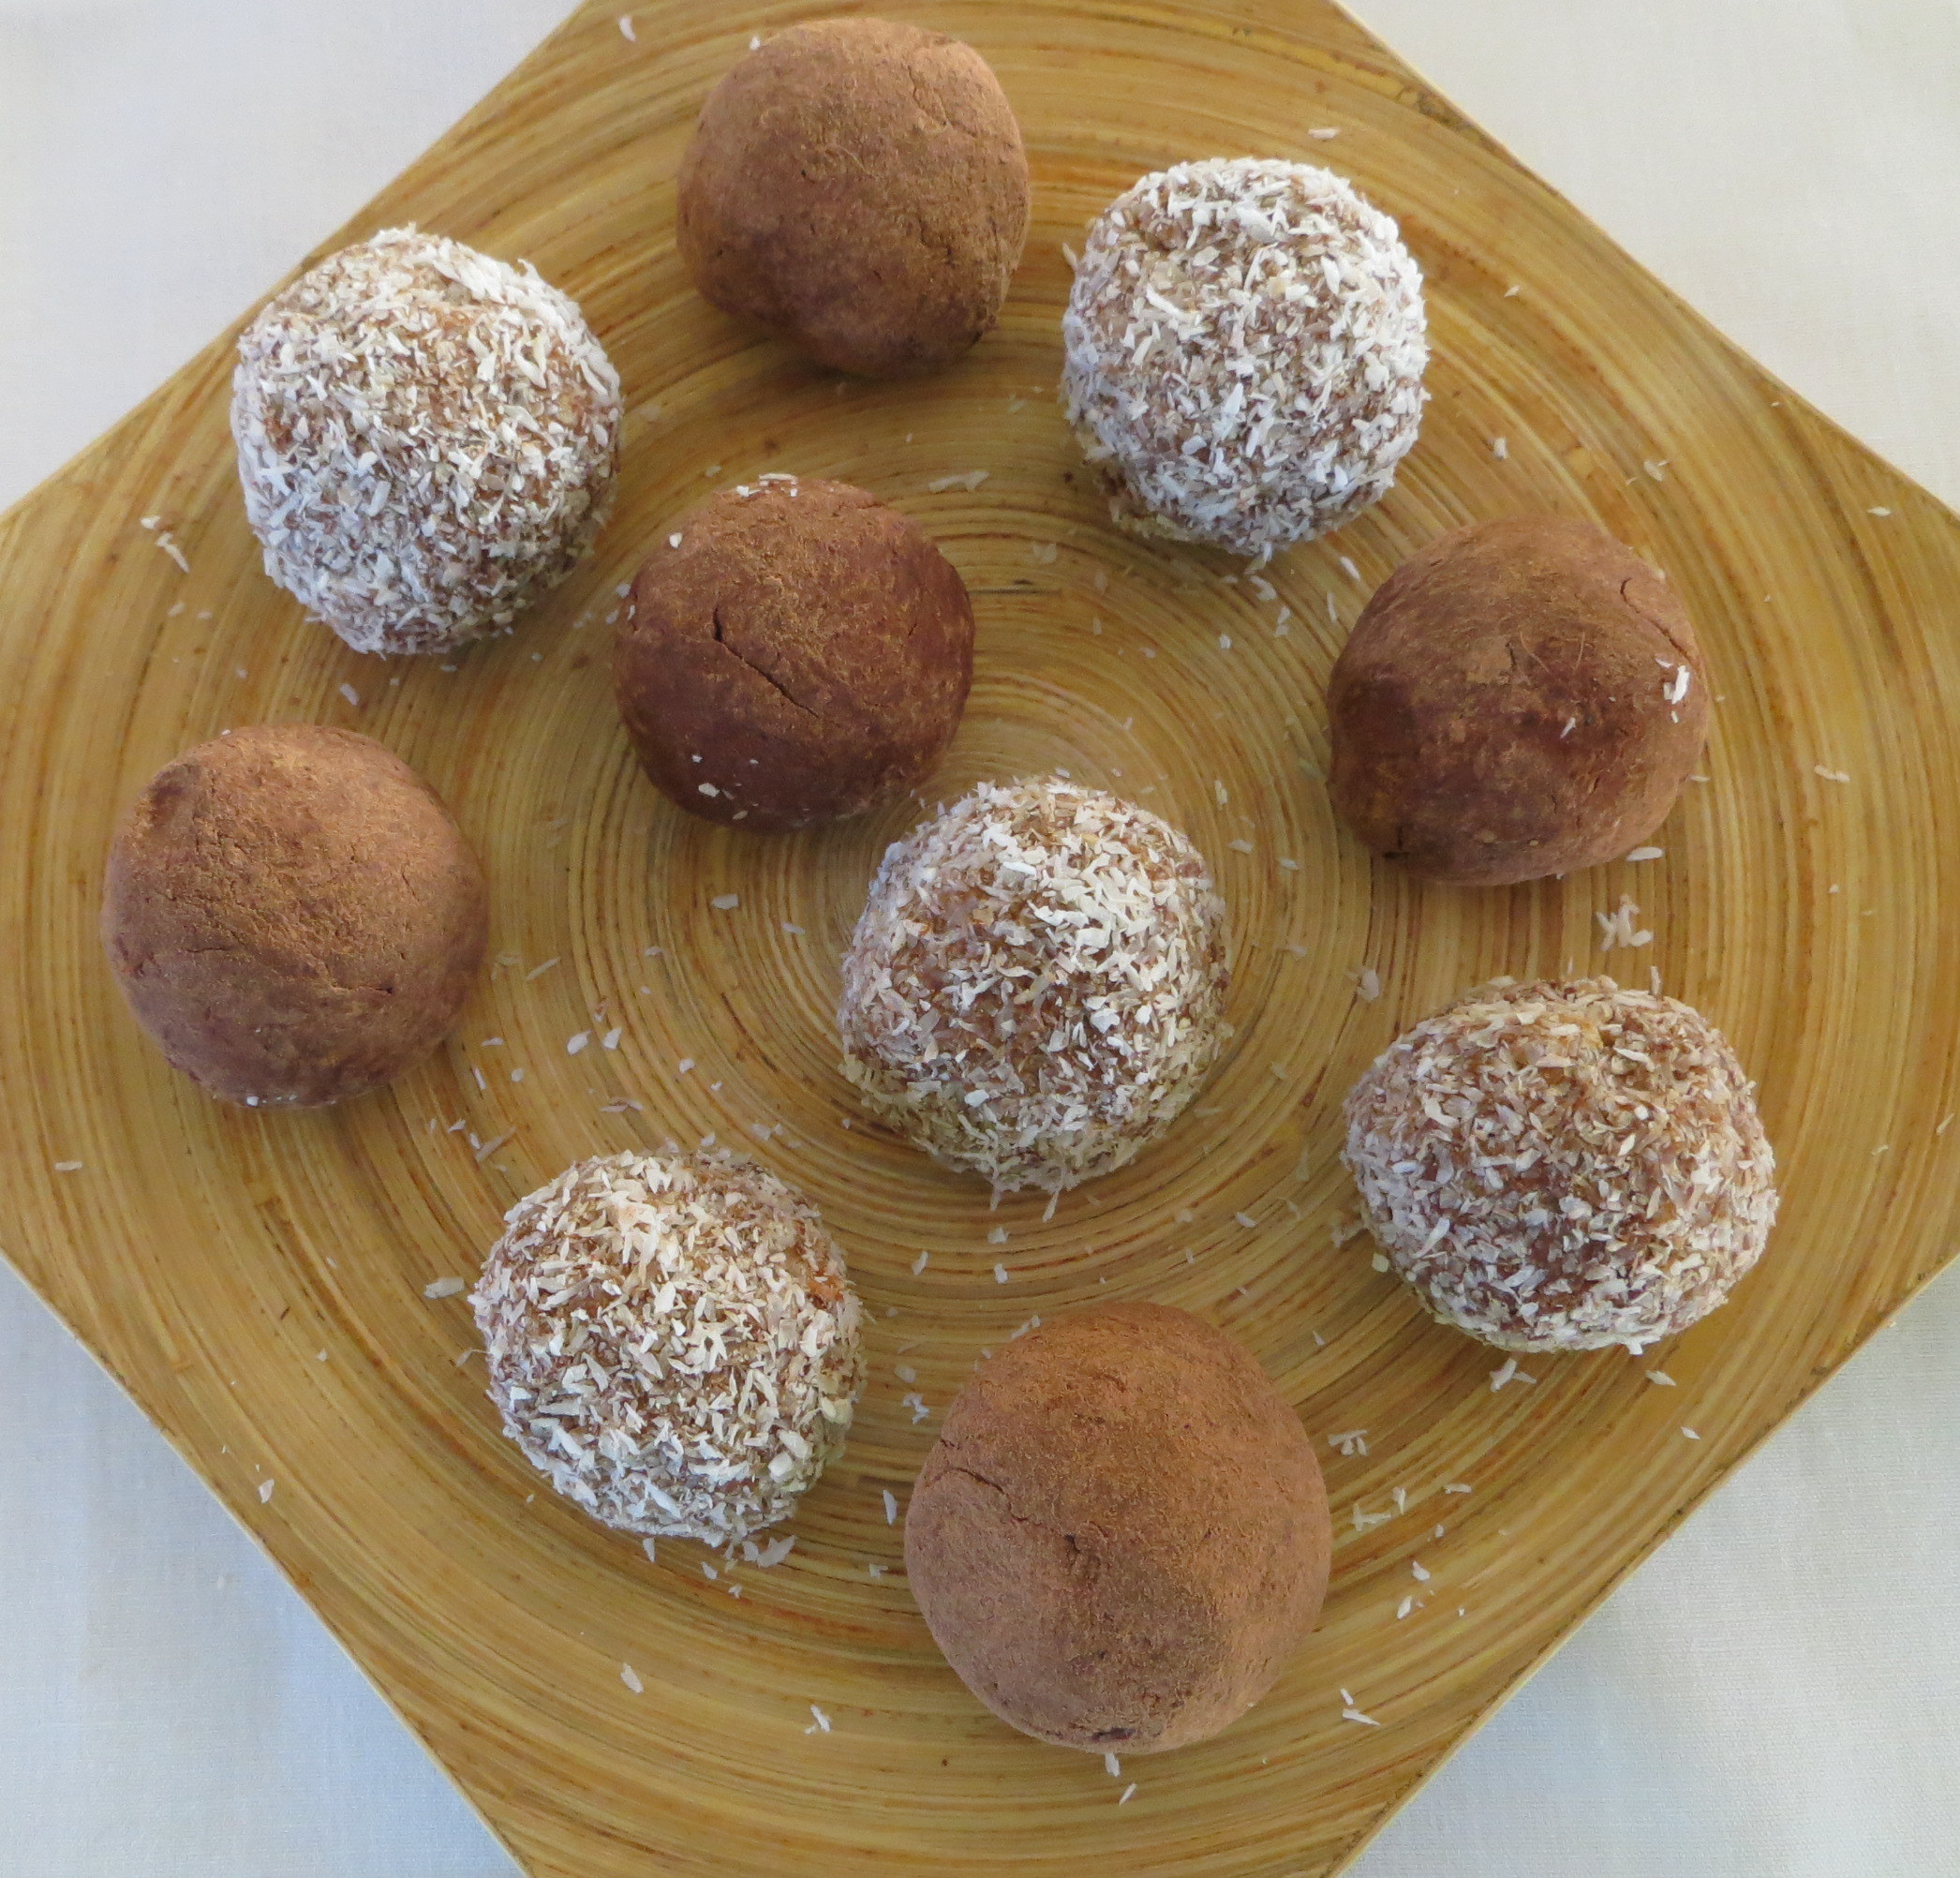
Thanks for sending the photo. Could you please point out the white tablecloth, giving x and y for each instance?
(1775, 1695)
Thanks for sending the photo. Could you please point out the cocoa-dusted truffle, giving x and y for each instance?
(1245, 342)
(860, 187)
(426, 437)
(672, 1342)
(1122, 1532)
(292, 914)
(793, 653)
(1563, 1166)
(1520, 698)
(1036, 987)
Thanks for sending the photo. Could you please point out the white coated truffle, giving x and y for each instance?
(1245, 345)
(1036, 987)
(427, 439)
(672, 1342)
(1560, 1167)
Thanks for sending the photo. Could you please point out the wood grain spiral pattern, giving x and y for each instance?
(256, 1281)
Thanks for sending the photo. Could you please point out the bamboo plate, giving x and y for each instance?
(256, 1281)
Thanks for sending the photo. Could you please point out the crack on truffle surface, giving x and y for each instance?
(1079, 1555)
(774, 683)
(1688, 655)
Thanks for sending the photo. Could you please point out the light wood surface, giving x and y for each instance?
(256, 1281)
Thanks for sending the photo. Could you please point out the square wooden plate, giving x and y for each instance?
(256, 1281)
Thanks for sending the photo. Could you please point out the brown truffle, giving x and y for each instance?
(1523, 697)
(793, 652)
(860, 187)
(292, 914)
(1120, 1533)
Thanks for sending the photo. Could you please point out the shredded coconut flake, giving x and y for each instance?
(444, 1288)
(1620, 927)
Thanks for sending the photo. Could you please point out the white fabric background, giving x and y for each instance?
(1775, 1695)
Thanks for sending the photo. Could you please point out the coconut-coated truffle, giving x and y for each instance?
(1520, 698)
(1245, 345)
(793, 653)
(672, 1342)
(292, 914)
(1036, 986)
(1560, 1166)
(426, 437)
(858, 187)
(1121, 1533)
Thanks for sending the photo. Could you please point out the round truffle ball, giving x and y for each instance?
(1520, 698)
(671, 1342)
(1120, 1533)
(426, 437)
(859, 187)
(292, 914)
(793, 652)
(1245, 348)
(1563, 1166)
(1036, 986)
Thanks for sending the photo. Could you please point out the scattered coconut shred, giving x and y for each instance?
(1245, 342)
(672, 1342)
(1036, 987)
